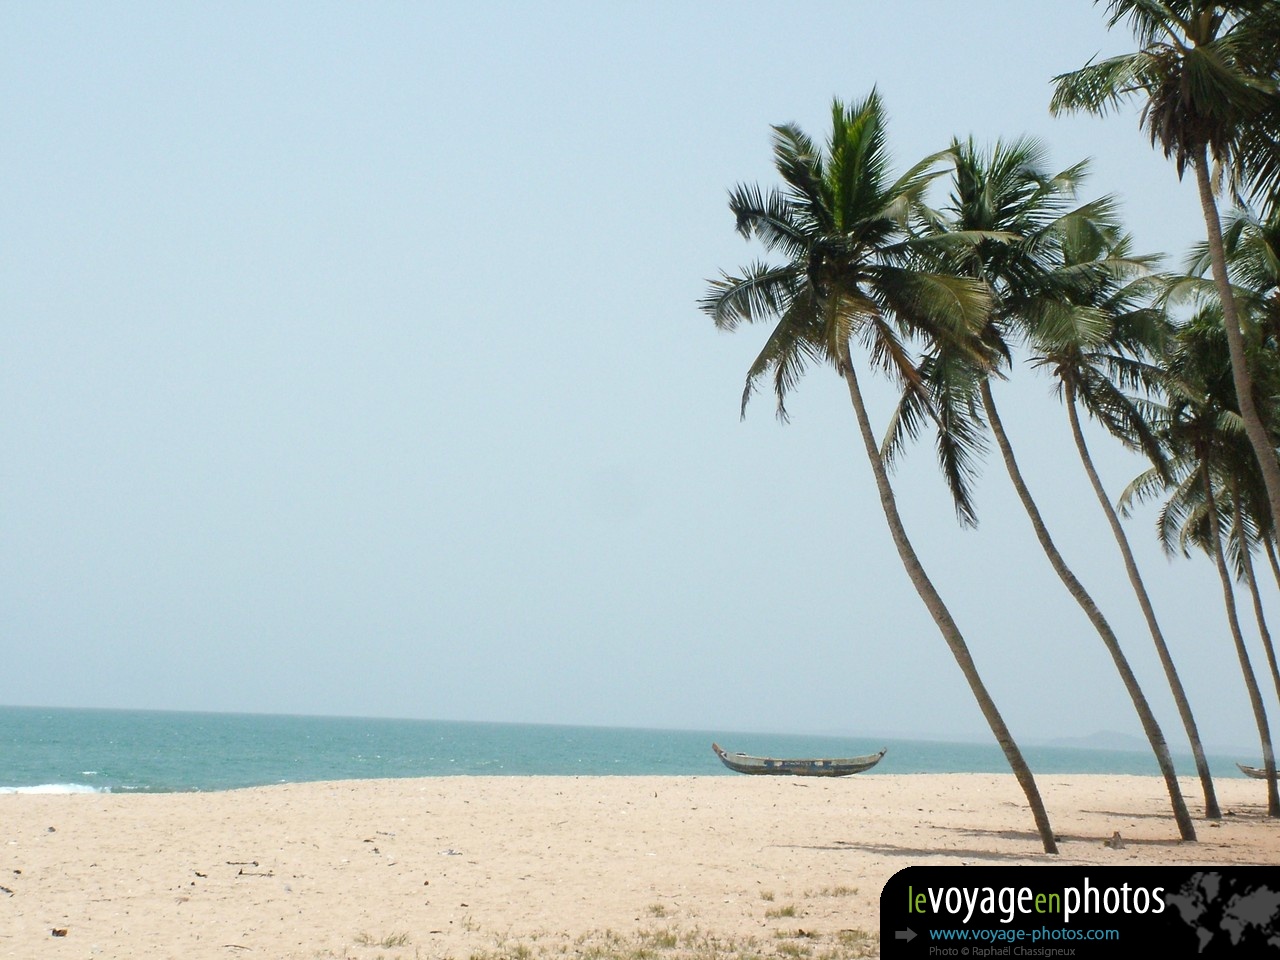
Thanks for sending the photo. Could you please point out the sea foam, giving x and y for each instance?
(56, 788)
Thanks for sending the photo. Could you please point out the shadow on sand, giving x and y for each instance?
(979, 852)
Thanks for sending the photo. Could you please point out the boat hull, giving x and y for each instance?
(768, 766)
(1256, 772)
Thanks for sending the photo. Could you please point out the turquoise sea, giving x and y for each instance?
(68, 751)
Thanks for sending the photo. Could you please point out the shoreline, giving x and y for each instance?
(460, 866)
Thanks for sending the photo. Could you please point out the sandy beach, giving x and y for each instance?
(529, 866)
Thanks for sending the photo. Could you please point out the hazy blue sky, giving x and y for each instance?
(351, 364)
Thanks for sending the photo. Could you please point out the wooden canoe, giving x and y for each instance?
(1258, 773)
(796, 768)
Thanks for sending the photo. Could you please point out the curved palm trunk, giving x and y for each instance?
(1150, 727)
(938, 610)
(1211, 810)
(1256, 430)
(1246, 561)
(1242, 654)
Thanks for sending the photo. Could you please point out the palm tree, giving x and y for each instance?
(1208, 71)
(1245, 536)
(1204, 433)
(848, 271)
(1254, 529)
(1002, 195)
(1094, 369)
(1252, 249)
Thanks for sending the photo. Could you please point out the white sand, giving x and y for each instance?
(477, 865)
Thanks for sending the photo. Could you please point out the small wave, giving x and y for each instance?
(56, 788)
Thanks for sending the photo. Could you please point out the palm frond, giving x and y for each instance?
(913, 411)
(802, 167)
(1125, 418)
(961, 442)
(938, 303)
(858, 162)
(764, 292)
(770, 217)
(886, 351)
(787, 353)
(1056, 324)
(1150, 20)
(1102, 86)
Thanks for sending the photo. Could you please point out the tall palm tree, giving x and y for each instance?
(1208, 72)
(1252, 248)
(1255, 529)
(847, 270)
(1200, 509)
(1245, 537)
(1005, 194)
(1096, 371)
(1203, 432)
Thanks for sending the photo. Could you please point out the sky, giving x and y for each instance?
(351, 363)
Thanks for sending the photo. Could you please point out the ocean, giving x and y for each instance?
(126, 751)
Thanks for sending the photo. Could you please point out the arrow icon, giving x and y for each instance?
(907, 934)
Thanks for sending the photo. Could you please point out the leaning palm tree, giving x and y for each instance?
(848, 272)
(1004, 194)
(1204, 433)
(1255, 529)
(1096, 369)
(1207, 70)
(1252, 249)
(1245, 537)
(1192, 523)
